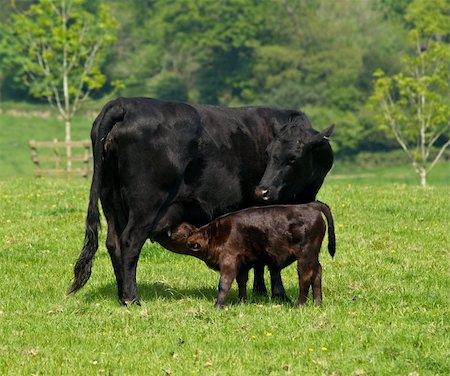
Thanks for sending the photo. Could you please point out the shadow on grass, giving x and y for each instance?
(161, 290)
(153, 291)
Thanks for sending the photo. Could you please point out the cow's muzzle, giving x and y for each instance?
(263, 193)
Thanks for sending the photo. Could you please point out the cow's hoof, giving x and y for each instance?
(261, 293)
(281, 298)
(127, 302)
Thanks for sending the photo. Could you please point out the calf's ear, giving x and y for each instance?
(182, 232)
(189, 229)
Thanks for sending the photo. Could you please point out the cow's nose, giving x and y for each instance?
(262, 193)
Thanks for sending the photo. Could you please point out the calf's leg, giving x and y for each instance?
(227, 275)
(317, 284)
(305, 278)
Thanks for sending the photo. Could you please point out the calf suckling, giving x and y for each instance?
(275, 236)
(158, 164)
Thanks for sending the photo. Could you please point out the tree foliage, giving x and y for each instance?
(414, 104)
(59, 47)
(314, 55)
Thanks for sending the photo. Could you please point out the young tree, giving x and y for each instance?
(60, 46)
(414, 104)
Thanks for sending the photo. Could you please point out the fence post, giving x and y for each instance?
(54, 162)
(35, 157)
(86, 158)
(57, 154)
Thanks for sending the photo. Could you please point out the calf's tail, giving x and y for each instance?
(111, 113)
(331, 235)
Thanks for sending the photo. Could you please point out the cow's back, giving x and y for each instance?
(203, 160)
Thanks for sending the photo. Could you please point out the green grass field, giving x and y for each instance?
(16, 131)
(386, 295)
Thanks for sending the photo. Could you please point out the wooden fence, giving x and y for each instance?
(51, 158)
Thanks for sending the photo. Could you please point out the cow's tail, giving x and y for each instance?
(112, 113)
(331, 235)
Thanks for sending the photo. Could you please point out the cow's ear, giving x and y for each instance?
(324, 135)
(276, 127)
(328, 132)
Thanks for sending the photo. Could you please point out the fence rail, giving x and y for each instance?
(61, 158)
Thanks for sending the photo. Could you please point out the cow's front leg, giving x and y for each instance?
(259, 287)
(278, 291)
(227, 276)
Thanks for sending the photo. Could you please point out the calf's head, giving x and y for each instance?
(190, 236)
(290, 164)
(182, 232)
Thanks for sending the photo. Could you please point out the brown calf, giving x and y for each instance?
(271, 235)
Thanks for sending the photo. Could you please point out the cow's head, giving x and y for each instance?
(290, 164)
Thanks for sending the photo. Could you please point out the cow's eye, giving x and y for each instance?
(291, 160)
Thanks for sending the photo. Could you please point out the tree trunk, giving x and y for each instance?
(423, 178)
(65, 73)
(68, 138)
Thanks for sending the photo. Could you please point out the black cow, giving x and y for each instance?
(158, 164)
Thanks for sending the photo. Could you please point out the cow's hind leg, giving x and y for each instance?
(113, 246)
(131, 242)
(116, 220)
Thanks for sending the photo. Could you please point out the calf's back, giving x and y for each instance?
(274, 234)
